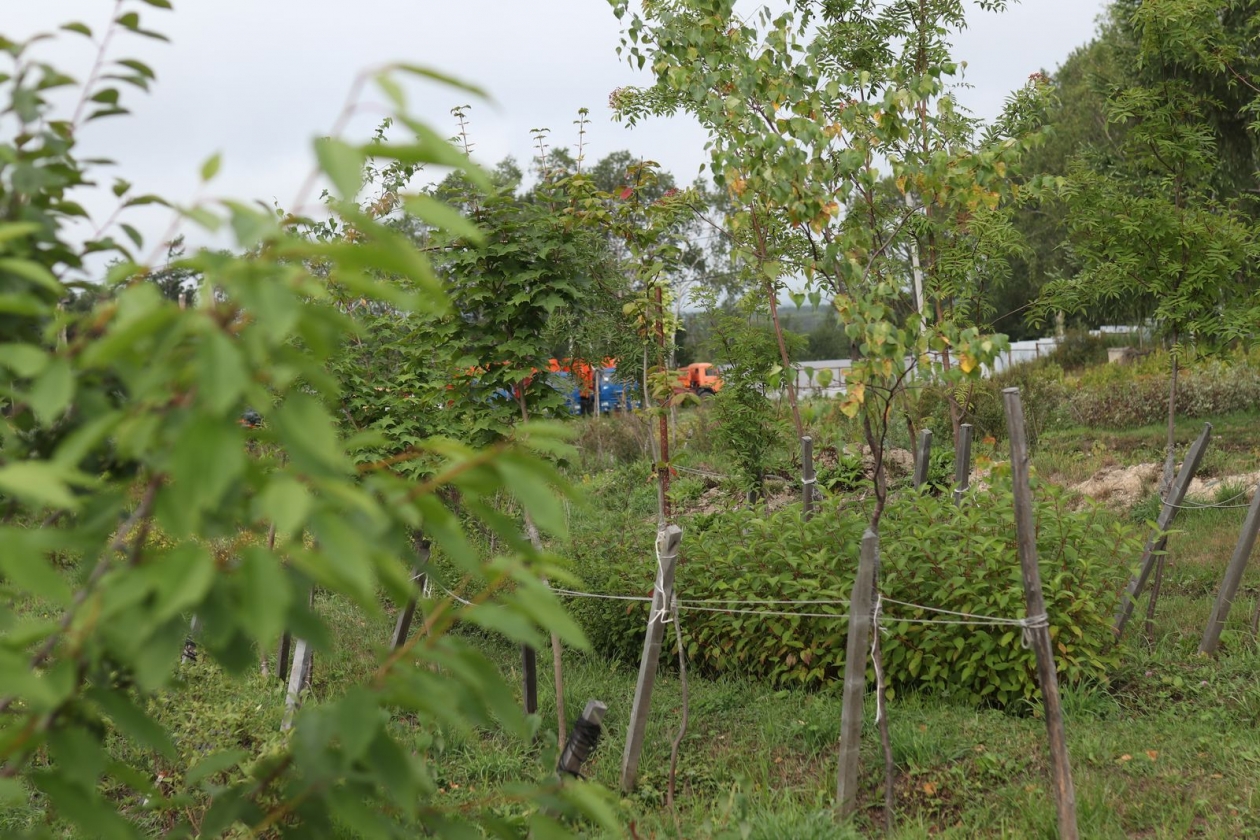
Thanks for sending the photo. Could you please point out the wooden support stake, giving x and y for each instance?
(921, 461)
(1038, 631)
(807, 477)
(667, 540)
(402, 627)
(1155, 545)
(1233, 577)
(298, 676)
(962, 462)
(282, 656)
(860, 620)
(529, 679)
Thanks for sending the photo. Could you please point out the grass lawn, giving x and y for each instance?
(1170, 748)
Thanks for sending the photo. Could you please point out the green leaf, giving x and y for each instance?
(521, 478)
(212, 765)
(443, 216)
(211, 167)
(223, 374)
(285, 503)
(13, 793)
(342, 163)
(540, 604)
(542, 827)
(507, 622)
(439, 77)
(357, 721)
(265, 594)
(25, 360)
(202, 470)
(76, 446)
(39, 483)
(51, 393)
(25, 562)
(83, 807)
(181, 579)
(18, 230)
(32, 271)
(80, 28)
(134, 721)
(309, 435)
(342, 561)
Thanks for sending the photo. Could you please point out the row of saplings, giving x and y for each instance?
(932, 553)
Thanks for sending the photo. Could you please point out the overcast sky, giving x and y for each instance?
(258, 79)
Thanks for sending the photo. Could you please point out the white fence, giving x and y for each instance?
(808, 373)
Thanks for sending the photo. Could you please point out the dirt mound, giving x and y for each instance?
(1120, 486)
(1123, 487)
(1205, 489)
(898, 462)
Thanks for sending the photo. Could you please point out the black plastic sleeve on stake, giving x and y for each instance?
(583, 740)
(962, 462)
(922, 458)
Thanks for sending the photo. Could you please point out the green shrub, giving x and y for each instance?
(1078, 349)
(1122, 396)
(1044, 394)
(961, 559)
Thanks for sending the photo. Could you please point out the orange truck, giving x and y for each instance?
(700, 378)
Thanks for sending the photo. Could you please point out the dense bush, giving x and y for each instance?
(1119, 396)
(1041, 387)
(932, 553)
(1078, 349)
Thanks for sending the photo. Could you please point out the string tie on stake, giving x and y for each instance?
(879, 675)
(1031, 623)
(808, 481)
(665, 613)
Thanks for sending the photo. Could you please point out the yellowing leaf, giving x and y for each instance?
(966, 362)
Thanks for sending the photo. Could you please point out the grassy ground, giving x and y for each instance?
(1069, 456)
(1169, 749)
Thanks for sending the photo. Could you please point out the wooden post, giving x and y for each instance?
(667, 540)
(1038, 631)
(298, 676)
(282, 656)
(962, 462)
(529, 679)
(1233, 576)
(921, 460)
(402, 627)
(807, 477)
(1155, 545)
(860, 621)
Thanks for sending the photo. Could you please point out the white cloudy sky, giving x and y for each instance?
(257, 79)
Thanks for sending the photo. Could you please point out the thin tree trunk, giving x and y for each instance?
(1170, 454)
(787, 364)
(662, 467)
